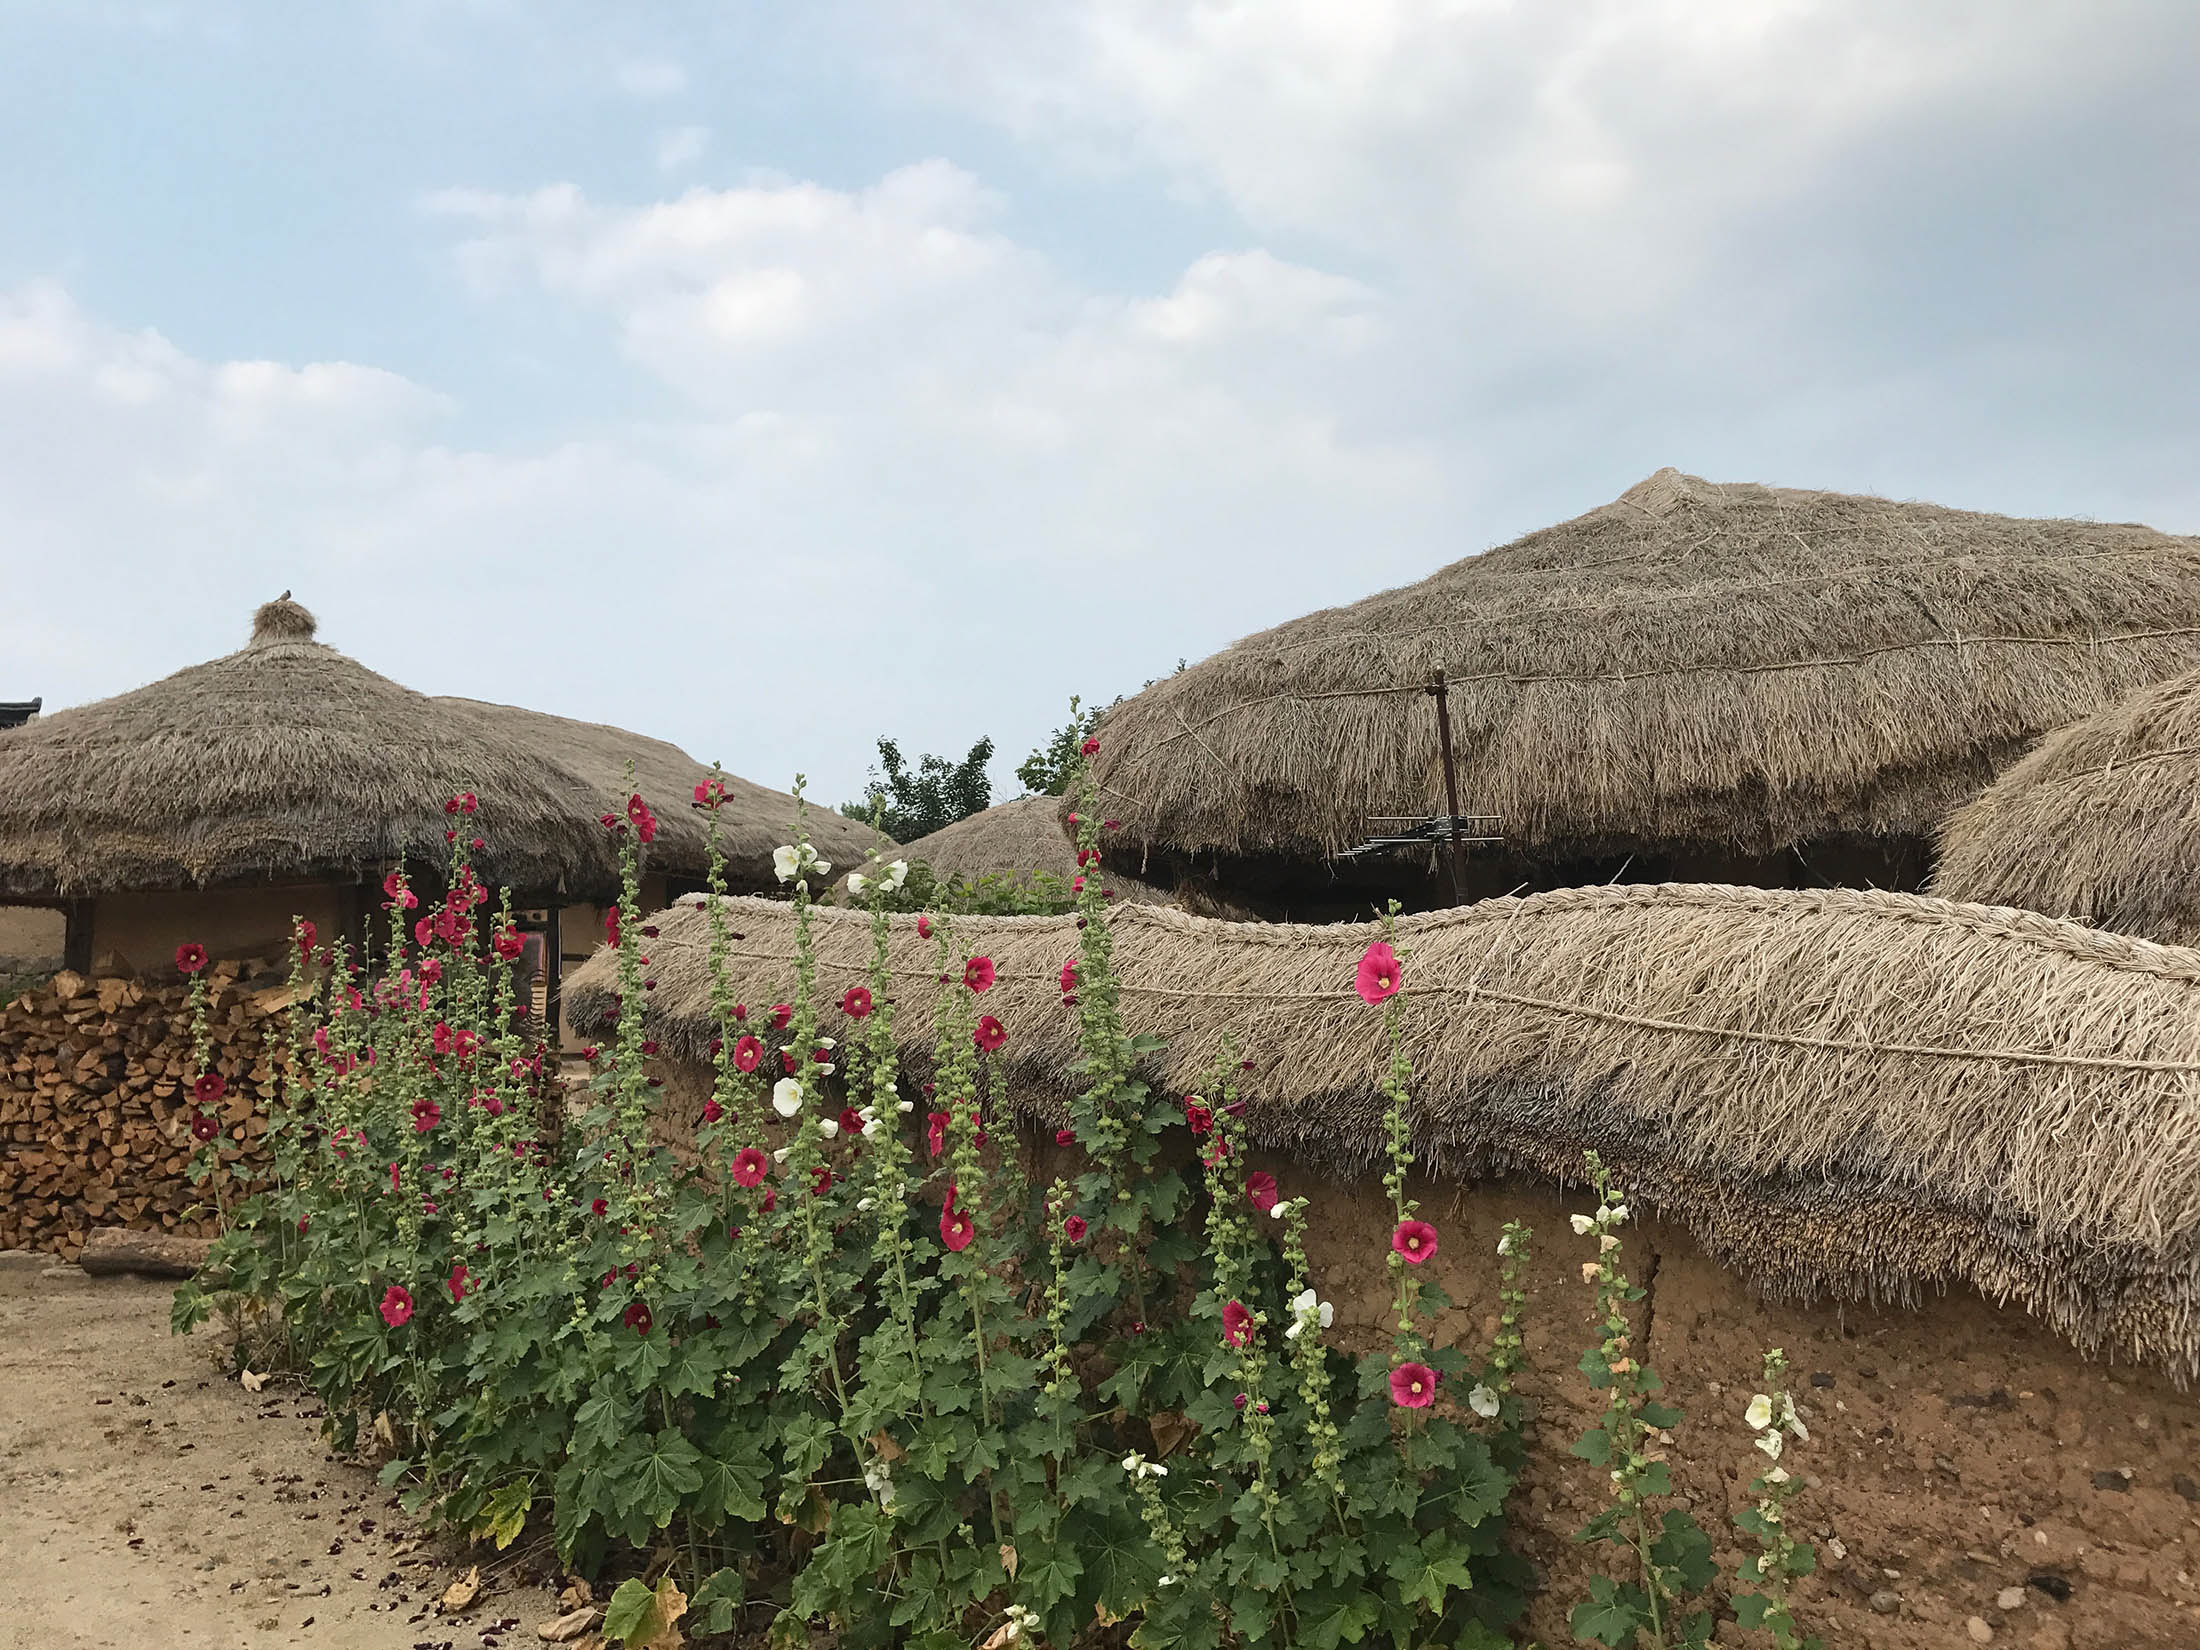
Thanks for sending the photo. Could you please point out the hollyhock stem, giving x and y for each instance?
(1398, 1135)
(1310, 1357)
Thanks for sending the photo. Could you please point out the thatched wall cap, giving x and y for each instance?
(1729, 666)
(281, 620)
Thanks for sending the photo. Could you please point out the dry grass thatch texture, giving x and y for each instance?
(1737, 665)
(290, 760)
(1862, 1093)
(1013, 840)
(2101, 823)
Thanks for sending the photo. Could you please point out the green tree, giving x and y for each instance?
(1048, 770)
(907, 804)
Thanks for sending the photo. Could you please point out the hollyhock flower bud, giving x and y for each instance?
(1065, 1137)
(712, 1111)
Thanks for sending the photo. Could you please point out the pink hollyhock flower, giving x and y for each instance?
(712, 1110)
(956, 1226)
(394, 884)
(468, 802)
(397, 1306)
(457, 1283)
(431, 970)
(204, 1128)
(493, 1105)
(1414, 1239)
(209, 1088)
(781, 1014)
(464, 1043)
(1074, 1228)
(1069, 975)
(320, 1040)
(978, 973)
(393, 1177)
(440, 1038)
(786, 1062)
(426, 1114)
(1413, 1386)
(1091, 747)
(424, 931)
(924, 928)
(1260, 1190)
(638, 815)
(1237, 1324)
(1379, 973)
(638, 1319)
(935, 1133)
(508, 944)
(990, 1035)
(748, 1054)
(856, 1003)
(450, 926)
(749, 1166)
(307, 934)
(451, 807)
(1065, 1137)
(710, 793)
(611, 925)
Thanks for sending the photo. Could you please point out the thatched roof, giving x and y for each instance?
(2101, 823)
(1868, 1094)
(288, 760)
(1012, 840)
(1738, 666)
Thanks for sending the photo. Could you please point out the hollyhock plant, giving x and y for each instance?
(209, 1088)
(1379, 974)
(990, 1034)
(397, 1306)
(1413, 1386)
(978, 973)
(748, 1054)
(1415, 1240)
(856, 1002)
(1237, 1324)
(956, 1226)
(426, 1114)
(1260, 1190)
(190, 957)
(749, 1166)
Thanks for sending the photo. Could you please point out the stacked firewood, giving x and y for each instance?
(95, 1100)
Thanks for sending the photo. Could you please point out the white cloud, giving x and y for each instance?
(682, 146)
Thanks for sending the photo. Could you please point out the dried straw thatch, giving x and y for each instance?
(2101, 823)
(1012, 840)
(1861, 1093)
(1737, 666)
(287, 760)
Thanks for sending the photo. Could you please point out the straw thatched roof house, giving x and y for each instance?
(2101, 823)
(1014, 840)
(285, 778)
(1863, 1094)
(1701, 681)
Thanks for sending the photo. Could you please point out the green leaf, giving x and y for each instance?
(1803, 1560)
(632, 1610)
(1749, 1610)
(1683, 1550)
(1594, 1447)
(1611, 1615)
(1330, 1616)
(1425, 1574)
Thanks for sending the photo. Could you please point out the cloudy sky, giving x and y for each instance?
(770, 377)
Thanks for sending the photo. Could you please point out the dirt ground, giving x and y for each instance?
(147, 1499)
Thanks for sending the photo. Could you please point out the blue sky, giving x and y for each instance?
(768, 378)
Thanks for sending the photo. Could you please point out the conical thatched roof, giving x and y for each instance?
(2101, 823)
(1868, 1094)
(1012, 840)
(288, 760)
(1737, 666)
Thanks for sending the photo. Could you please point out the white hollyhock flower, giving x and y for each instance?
(1776, 1475)
(780, 1156)
(785, 862)
(857, 881)
(1792, 1421)
(863, 1205)
(1132, 1462)
(1483, 1402)
(1505, 1244)
(1769, 1442)
(906, 1106)
(1759, 1413)
(872, 1128)
(827, 1042)
(896, 874)
(1619, 1215)
(1583, 1225)
(827, 1069)
(1166, 1581)
(824, 867)
(828, 1126)
(786, 1097)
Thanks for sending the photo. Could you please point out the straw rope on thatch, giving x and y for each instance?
(2101, 823)
(287, 760)
(1866, 1094)
(1736, 666)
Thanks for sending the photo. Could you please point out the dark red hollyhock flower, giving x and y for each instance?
(850, 1121)
(457, 1282)
(611, 925)
(638, 1318)
(479, 845)
(1415, 1240)
(748, 1054)
(1091, 747)
(1260, 1190)
(306, 934)
(190, 957)
(426, 1114)
(716, 1044)
(440, 1037)
(1198, 1116)
(431, 970)
(924, 928)
(394, 1181)
(1111, 824)
(464, 1043)
(821, 1056)
(450, 926)
(856, 1003)
(1237, 1324)
(1074, 1228)
(935, 1133)
(598, 1207)
(645, 822)
(509, 945)
(749, 1166)
(468, 802)
(956, 1226)
(771, 1202)
(589, 1053)
(978, 973)
(1069, 975)
(821, 1180)
(397, 1306)
(781, 1014)
(740, 1011)
(209, 1088)
(712, 1111)
(1065, 1137)
(787, 1062)
(451, 807)
(649, 1046)
(990, 1035)
(1073, 819)
(649, 931)
(204, 1128)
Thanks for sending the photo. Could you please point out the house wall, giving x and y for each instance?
(144, 930)
(30, 937)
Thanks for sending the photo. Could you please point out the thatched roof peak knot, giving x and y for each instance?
(281, 620)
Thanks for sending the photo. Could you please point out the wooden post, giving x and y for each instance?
(1442, 695)
(76, 936)
(553, 978)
